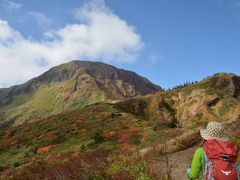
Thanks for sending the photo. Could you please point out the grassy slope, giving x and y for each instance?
(68, 87)
(75, 132)
(51, 99)
(174, 112)
(193, 105)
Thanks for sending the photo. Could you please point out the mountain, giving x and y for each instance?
(68, 87)
(121, 140)
(214, 98)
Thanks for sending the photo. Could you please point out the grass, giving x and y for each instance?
(71, 144)
(109, 145)
(49, 99)
(13, 155)
(69, 131)
(130, 164)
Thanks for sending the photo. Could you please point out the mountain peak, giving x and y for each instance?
(69, 86)
(99, 71)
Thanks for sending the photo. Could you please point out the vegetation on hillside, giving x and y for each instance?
(120, 140)
(68, 87)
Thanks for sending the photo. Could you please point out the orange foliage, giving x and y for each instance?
(135, 130)
(97, 116)
(48, 158)
(67, 159)
(14, 143)
(106, 116)
(45, 149)
(108, 134)
(63, 155)
(117, 125)
(58, 155)
(78, 156)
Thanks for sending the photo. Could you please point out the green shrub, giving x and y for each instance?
(33, 150)
(83, 146)
(98, 138)
(172, 124)
(16, 164)
(96, 177)
(110, 145)
(144, 177)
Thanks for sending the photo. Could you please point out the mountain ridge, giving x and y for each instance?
(131, 133)
(69, 86)
(215, 97)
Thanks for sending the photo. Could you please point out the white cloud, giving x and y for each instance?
(10, 5)
(41, 19)
(155, 58)
(99, 35)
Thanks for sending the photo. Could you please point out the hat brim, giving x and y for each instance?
(205, 135)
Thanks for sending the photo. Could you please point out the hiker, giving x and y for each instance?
(217, 158)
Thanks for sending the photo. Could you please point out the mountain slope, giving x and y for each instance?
(68, 87)
(60, 142)
(214, 98)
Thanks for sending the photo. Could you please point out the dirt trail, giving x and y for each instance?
(181, 159)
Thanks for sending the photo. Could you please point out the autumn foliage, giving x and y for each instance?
(46, 149)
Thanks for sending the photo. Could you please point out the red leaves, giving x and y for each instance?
(135, 130)
(124, 136)
(65, 165)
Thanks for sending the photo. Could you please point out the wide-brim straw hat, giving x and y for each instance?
(214, 130)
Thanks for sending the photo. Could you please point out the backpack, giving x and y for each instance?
(220, 157)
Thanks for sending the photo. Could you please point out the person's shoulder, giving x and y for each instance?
(199, 150)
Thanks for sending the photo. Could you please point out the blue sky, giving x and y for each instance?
(167, 41)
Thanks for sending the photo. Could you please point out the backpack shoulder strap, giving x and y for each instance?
(237, 166)
(207, 167)
(204, 164)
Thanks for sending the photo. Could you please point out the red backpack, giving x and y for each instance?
(220, 157)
